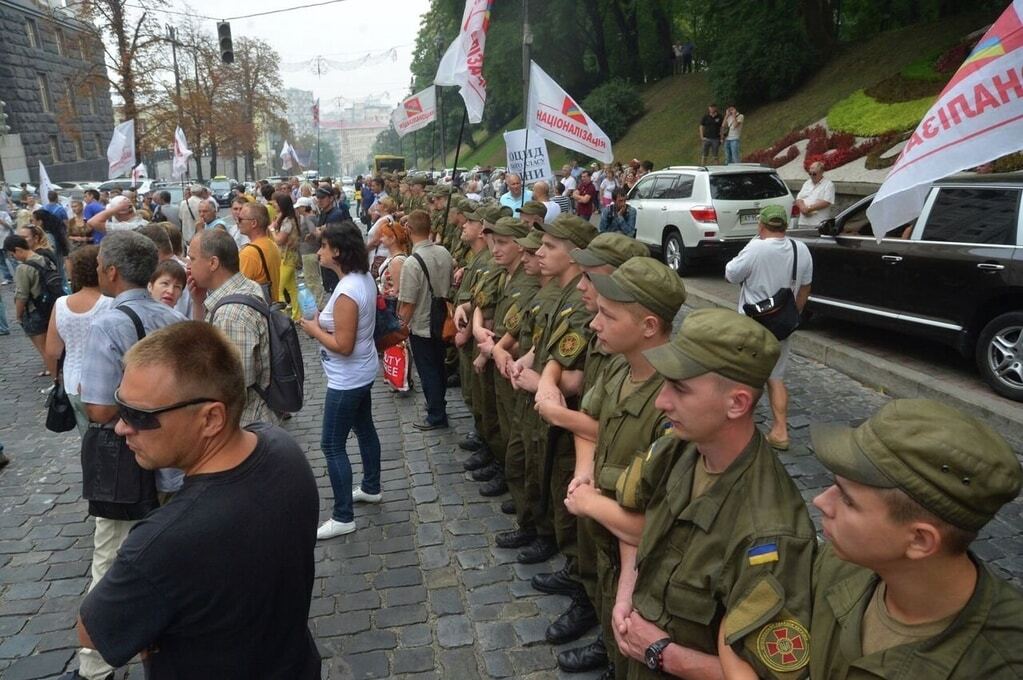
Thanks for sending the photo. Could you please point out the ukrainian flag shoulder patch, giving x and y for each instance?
(762, 554)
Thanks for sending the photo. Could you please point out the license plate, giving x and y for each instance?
(753, 218)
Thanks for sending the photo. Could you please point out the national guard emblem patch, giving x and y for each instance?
(783, 646)
(512, 318)
(570, 345)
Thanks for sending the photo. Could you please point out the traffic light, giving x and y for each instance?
(226, 48)
(4, 127)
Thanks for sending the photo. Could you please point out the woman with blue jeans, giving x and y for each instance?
(344, 330)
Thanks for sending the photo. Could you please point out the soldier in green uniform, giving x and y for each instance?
(532, 213)
(560, 353)
(897, 592)
(636, 307)
(415, 199)
(727, 546)
(521, 322)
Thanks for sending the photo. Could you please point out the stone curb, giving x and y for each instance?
(887, 376)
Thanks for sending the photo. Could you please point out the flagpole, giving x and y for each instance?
(527, 40)
(454, 168)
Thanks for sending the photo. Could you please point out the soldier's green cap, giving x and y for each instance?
(504, 211)
(646, 281)
(473, 211)
(571, 228)
(418, 179)
(532, 241)
(718, 341)
(458, 203)
(491, 213)
(609, 248)
(440, 190)
(533, 208)
(774, 215)
(509, 226)
(953, 465)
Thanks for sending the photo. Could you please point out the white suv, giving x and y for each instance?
(686, 213)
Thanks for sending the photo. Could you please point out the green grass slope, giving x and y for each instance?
(668, 132)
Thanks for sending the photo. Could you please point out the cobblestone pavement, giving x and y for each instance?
(419, 591)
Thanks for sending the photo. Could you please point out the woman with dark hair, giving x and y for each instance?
(345, 332)
(69, 324)
(56, 234)
(285, 232)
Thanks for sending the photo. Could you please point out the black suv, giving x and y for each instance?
(954, 275)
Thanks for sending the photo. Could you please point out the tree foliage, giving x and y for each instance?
(614, 106)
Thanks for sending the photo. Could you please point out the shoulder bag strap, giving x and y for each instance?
(795, 260)
(140, 330)
(426, 273)
(262, 258)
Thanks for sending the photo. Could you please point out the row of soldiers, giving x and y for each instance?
(637, 457)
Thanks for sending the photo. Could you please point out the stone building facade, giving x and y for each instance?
(53, 80)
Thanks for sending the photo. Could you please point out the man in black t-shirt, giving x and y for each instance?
(217, 582)
(710, 134)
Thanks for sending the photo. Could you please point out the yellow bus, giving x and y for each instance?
(382, 164)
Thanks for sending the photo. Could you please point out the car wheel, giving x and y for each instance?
(1000, 355)
(674, 252)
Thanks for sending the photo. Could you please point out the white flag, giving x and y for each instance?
(415, 112)
(45, 185)
(121, 151)
(527, 156)
(181, 155)
(462, 64)
(289, 159)
(978, 117)
(139, 173)
(555, 116)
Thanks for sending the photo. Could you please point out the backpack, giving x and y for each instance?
(52, 287)
(287, 367)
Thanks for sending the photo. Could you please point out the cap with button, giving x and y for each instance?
(645, 281)
(609, 248)
(571, 228)
(533, 208)
(509, 226)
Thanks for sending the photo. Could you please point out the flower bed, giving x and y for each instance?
(864, 116)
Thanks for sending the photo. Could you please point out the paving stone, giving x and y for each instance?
(39, 665)
(406, 576)
(498, 664)
(350, 623)
(413, 660)
(458, 664)
(368, 665)
(446, 601)
(369, 640)
(454, 631)
(429, 534)
(416, 635)
(367, 599)
(489, 594)
(389, 617)
(24, 591)
(18, 645)
(401, 559)
(531, 631)
(496, 635)
(530, 660)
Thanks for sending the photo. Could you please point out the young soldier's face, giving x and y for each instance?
(553, 255)
(697, 408)
(586, 288)
(504, 249)
(530, 263)
(857, 522)
(615, 326)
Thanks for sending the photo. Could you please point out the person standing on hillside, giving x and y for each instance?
(730, 134)
(687, 56)
(710, 134)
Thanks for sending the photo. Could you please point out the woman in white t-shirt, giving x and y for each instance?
(69, 325)
(607, 185)
(345, 332)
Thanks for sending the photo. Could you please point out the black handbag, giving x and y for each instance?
(60, 416)
(778, 313)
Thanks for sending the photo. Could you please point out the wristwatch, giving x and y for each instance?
(655, 654)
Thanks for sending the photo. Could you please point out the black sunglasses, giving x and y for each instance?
(146, 419)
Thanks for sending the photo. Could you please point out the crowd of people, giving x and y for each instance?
(628, 448)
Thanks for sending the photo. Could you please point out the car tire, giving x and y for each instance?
(673, 252)
(999, 355)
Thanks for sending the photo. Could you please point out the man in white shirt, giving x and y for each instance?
(542, 193)
(568, 180)
(815, 199)
(188, 211)
(763, 268)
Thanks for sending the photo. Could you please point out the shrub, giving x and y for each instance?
(864, 116)
(614, 106)
(923, 69)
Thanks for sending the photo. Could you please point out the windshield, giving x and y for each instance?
(220, 185)
(747, 186)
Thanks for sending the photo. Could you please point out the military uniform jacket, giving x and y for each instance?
(596, 361)
(739, 556)
(514, 296)
(487, 289)
(480, 266)
(567, 332)
(985, 641)
(537, 315)
(626, 429)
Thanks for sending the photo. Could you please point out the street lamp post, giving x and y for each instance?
(440, 103)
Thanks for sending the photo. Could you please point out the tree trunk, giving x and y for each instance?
(663, 37)
(818, 18)
(592, 7)
(213, 159)
(625, 18)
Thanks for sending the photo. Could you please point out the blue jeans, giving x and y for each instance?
(7, 267)
(344, 411)
(428, 355)
(732, 151)
(4, 328)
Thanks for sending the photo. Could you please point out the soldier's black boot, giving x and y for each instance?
(471, 442)
(540, 550)
(486, 473)
(508, 506)
(589, 657)
(577, 620)
(480, 459)
(495, 487)
(559, 582)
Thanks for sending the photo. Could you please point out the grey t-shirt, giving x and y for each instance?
(765, 265)
(412, 287)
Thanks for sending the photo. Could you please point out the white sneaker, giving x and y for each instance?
(360, 496)
(332, 529)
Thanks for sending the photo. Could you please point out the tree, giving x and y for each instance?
(253, 82)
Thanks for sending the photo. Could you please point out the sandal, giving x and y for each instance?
(42, 374)
(778, 444)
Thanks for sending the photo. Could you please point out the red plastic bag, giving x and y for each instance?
(397, 362)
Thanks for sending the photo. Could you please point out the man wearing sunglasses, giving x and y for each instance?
(126, 262)
(217, 582)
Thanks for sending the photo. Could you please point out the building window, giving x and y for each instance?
(54, 149)
(58, 37)
(32, 32)
(44, 92)
(79, 150)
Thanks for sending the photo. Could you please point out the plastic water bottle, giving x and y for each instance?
(306, 301)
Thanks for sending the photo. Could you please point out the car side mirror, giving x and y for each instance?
(828, 227)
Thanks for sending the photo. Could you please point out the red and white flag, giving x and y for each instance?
(289, 159)
(121, 150)
(316, 113)
(415, 112)
(182, 153)
(556, 117)
(977, 118)
(139, 173)
(462, 64)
